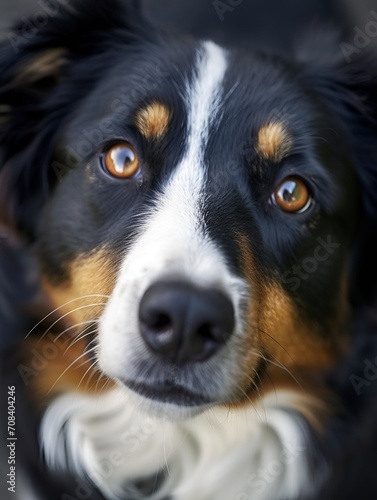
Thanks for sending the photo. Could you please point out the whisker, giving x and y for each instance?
(253, 404)
(211, 413)
(91, 330)
(278, 343)
(91, 376)
(101, 377)
(273, 385)
(84, 362)
(70, 366)
(278, 364)
(96, 371)
(67, 314)
(72, 327)
(63, 305)
(155, 482)
(64, 331)
(257, 390)
(283, 367)
(106, 384)
(165, 453)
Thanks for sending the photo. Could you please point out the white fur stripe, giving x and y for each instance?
(204, 97)
(182, 195)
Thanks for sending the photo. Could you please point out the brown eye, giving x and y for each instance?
(292, 195)
(121, 161)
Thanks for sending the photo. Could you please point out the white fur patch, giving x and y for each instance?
(248, 454)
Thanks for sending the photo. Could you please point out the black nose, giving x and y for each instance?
(184, 323)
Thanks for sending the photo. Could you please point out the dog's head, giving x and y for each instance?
(201, 204)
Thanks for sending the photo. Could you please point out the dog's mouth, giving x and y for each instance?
(169, 393)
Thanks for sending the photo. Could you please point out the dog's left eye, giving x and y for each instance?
(292, 195)
(121, 161)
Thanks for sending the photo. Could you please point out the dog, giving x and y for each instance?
(203, 222)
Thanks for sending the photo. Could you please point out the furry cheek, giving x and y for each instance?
(282, 349)
(84, 295)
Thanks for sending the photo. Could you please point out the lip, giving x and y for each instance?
(168, 393)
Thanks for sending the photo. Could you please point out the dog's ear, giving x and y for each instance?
(345, 78)
(44, 72)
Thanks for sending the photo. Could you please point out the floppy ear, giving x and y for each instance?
(347, 83)
(44, 73)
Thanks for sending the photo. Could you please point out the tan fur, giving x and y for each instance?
(153, 121)
(88, 275)
(295, 352)
(273, 142)
(84, 296)
(47, 64)
(52, 367)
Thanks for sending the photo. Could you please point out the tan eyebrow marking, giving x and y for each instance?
(153, 121)
(273, 142)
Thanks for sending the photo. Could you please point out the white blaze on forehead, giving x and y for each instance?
(182, 195)
(204, 97)
(172, 241)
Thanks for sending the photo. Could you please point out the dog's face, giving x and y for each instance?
(205, 221)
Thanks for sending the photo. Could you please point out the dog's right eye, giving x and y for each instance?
(292, 196)
(121, 161)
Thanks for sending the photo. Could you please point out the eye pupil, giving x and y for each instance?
(292, 195)
(121, 161)
(290, 191)
(122, 158)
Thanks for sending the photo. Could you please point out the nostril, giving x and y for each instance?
(160, 322)
(208, 332)
(157, 328)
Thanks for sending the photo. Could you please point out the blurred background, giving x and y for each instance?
(237, 21)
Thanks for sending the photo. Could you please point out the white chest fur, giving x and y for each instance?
(255, 453)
